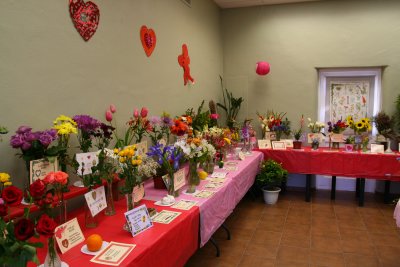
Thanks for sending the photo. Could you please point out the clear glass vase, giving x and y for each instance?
(130, 204)
(90, 220)
(52, 258)
(61, 210)
(208, 165)
(110, 210)
(194, 179)
(171, 187)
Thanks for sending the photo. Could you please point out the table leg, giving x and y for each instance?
(308, 187)
(214, 242)
(357, 187)
(283, 185)
(361, 193)
(333, 187)
(386, 197)
(227, 231)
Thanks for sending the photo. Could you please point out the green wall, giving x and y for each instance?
(297, 38)
(47, 69)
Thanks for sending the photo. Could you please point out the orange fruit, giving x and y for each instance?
(94, 242)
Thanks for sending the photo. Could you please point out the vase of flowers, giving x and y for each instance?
(276, 122)
(361, 129)
(168, 157)
(160, 128)
(315, 131)
(335, 132)
(315, 144)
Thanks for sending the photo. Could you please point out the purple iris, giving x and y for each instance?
(166, 155)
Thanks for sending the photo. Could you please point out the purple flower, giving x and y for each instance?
(23, 129)
(167, 121)
(26, 146)
(155, 121)
(17, 141)
(86, 123)
(47, 136)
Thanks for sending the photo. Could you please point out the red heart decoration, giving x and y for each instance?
(85, 16)
(148, 37)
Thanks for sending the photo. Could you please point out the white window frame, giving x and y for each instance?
(324, 73)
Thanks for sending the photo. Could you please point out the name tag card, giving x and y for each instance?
(264, 144)
(179, 179)
(279, 145)
(219, 174)
(138, 192)
(68, 235)
(337, 138)
(166, 216)
(379, 149)
(114, 254)
(96, 200)
(214, 185)
(41, 167)
(204, 194)
(86, 162)
(288, 143)
(138, 220)
(241, 156)
(184, 204)
(216, 180)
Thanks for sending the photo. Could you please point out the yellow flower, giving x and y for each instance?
(7, 183)
(116, 150)
(4, 177)
(122, 159)
(65, 125)
(227, 140)
(360, 125)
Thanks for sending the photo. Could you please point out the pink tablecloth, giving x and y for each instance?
(214, 210)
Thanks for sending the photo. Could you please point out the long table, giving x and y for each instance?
(214, 210)
(326, 161)
(164, 245)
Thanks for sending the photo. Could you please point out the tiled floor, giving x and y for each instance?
(296, 233)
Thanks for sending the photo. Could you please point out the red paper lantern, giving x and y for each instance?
(262, 68)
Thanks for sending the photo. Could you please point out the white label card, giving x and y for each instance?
(179, 179)
(41, 167)
(166, 216)
(68, 235)
(86, 162)
(184, 204)
(219, 174)
(114, 254)
(138, 220)
(213, 185)
(141, 148)
(96, 200)
(204, 194)
(379, 149)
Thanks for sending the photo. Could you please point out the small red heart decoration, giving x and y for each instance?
(148, 38)
(85, 16)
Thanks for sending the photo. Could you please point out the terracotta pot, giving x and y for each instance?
(297, 144)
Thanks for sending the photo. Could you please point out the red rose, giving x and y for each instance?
(45, 226)
(24, 229)
(37, 189)
(49, 178)
(48, 199)
(61, 177)
(12, 195)
(3, 210)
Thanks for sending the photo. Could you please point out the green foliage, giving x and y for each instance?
(397, 115)
(231, 105)
(271, 174)
(383, 123)
(200, 119)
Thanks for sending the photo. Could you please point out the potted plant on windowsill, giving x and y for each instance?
(271, 176)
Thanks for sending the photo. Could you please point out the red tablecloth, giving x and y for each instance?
(338, 163)
(163, 245)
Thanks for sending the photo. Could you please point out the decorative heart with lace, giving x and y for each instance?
(85, 17)
(148, 38)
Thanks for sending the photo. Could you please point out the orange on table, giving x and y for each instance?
(94, 242)
(202, 175)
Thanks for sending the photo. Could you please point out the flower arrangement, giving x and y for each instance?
(148, 168)
(230, 105)
(298, 133)
(195, 149)
(270, 120)
(337, 127)
(65, 126)
(181, 125)
(4, 181)
(169, 158)
(87, 127)
(130, 164)
(139, 125)
(15, 245)
(361, 126)
(383, 124)
(160, 127)
(220, 138)
(315, 127)
(200, 119)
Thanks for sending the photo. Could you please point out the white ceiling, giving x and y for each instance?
(247, 3)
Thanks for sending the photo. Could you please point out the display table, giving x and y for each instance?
(164, 245)
(215, 209)
(338, 163)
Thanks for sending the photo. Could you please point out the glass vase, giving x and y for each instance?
(194, 179)
(208, 165)
(335, 145)
(61, 209)
(130, 204)
(90, 220)
(171, 187)
(52, 258)
(110, 210)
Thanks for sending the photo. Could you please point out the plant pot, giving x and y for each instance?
(297, 144)
(159, 182)
(271, 196)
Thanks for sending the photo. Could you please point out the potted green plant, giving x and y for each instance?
(271, 176)
(383, 124)
(297, 135)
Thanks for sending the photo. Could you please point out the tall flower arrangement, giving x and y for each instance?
(337, 127)
(361, 126)
(87, 127)
(315, 127)
(160, 127)
(139, 124)
(65, 126)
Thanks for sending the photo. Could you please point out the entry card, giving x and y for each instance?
(278, 145)
(114, 254)
(138, 192)
(204, 194)
(377, 148)
(214, 185)
(138, 220)
(166, 216)
(41, 167)
(179, 179)
(68, 235)
(96, 200)
(219, 174)
(262, 144)
(141, 148)
(86, 162)
(184, 204)
(216, 180)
